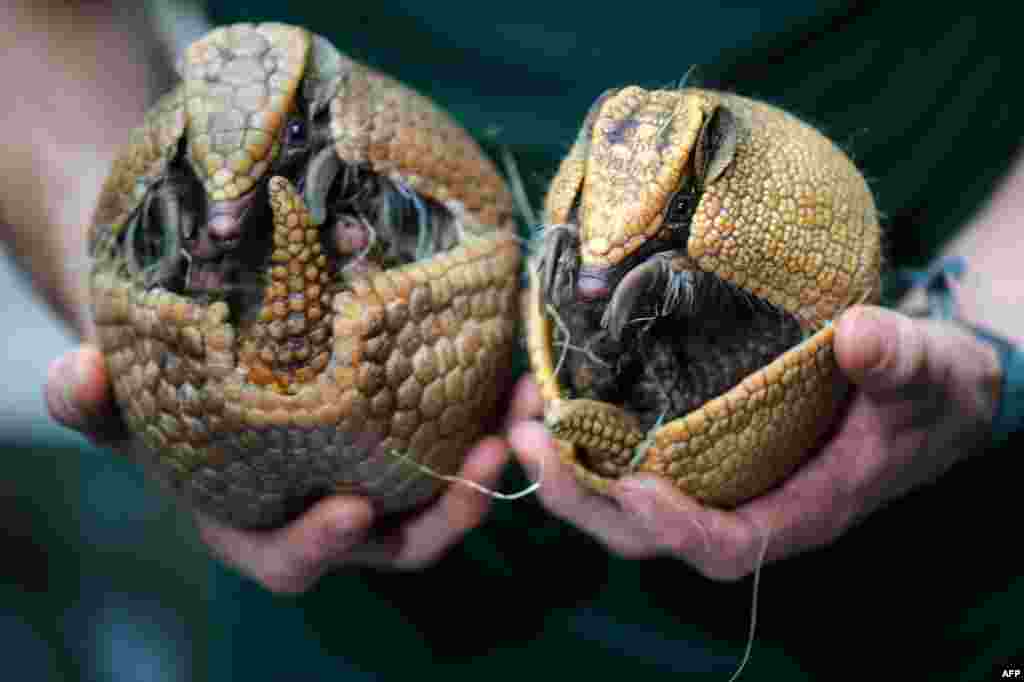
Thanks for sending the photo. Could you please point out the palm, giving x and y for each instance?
(925, 406)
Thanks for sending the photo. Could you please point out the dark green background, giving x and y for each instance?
(926, 99)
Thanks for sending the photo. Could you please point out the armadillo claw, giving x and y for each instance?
(559, 262)
(652, 279)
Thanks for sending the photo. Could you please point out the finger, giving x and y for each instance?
(810, 509)
(721, 545)
(884, 351)
(292, 558)
(79, 396)
(887, 353)
(527, 402)
(421, 541)
(564, 497)
(881, 350)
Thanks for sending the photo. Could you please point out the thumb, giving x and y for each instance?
(882, 350)
(79, 396)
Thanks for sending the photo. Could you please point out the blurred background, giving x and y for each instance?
(103, 577)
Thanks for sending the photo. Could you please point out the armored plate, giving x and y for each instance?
(698, 246)
(305, 279)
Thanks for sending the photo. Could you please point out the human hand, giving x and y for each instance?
(925, 393)
(335, 532)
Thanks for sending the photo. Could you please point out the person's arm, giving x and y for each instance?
(925, 398)
(79, 76)
(85, 77)
(993, 288)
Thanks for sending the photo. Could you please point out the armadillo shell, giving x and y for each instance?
(408, 361)
(737, 445)
(792, 222)
(416, 367)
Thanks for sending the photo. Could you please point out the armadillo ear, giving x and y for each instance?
(716, 145)
(326, 70)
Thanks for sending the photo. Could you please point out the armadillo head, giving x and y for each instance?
(637, 151)
(242, 114)
(251, 94)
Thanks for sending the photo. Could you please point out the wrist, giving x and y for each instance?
(933, 293)
(1009, 412)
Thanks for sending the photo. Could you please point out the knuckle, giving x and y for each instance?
(681, 546)
(732, 563)
(907, 358)
(731, 559)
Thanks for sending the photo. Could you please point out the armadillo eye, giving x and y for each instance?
(295, 133)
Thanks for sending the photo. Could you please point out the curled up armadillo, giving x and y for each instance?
(304, 275)
(696, 247)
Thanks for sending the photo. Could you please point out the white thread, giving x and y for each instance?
(508, 497)
(748, 649)
(753, 601)
(518, 191)
(685, 80)
(565, 330)
(641, 448)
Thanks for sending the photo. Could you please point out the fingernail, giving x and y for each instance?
(79, 371)
(860, 345)
(63, 404)
(68, 380)
(74, 378)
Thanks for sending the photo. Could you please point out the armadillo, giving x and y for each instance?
(697, 247)
(305, 281)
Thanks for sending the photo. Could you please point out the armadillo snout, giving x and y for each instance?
(593, 284)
